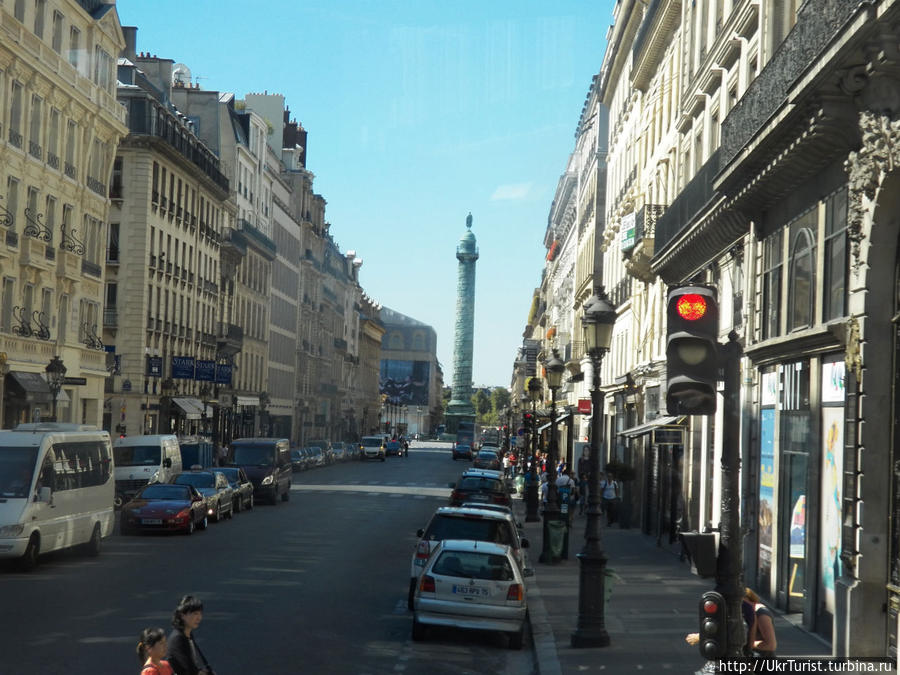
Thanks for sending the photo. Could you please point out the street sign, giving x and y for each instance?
(584, 406)
(74, 380)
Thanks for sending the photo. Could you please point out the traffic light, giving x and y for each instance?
(713, 626)
(692, 350)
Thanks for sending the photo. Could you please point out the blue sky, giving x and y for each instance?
(418, 113)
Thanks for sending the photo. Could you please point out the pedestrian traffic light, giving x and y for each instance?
(713, 626)
(692, 350)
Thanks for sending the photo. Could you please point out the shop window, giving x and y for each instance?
(835, 254)
(801, 275)
(771, 301)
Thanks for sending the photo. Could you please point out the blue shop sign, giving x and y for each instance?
(183, 367)
(205, 371)
(223, 373)
(154, 366)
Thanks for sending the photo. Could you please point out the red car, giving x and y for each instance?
(164, 507)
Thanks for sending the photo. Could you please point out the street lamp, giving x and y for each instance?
(56, 371)
(531, 489)
(597, 323)
(554, 367)
(204, 398)
(165, 405)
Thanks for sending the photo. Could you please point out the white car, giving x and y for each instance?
(454, 522)
(474, 585)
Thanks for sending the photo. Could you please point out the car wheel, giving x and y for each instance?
(418, 631)
(203, 523)
(412, 594)
(29, 559)
(231, 511)
(250, 503)
(516, 638)
(92, 548)
(218, 516)
(286, 495)
(189, 530)
(236, 504)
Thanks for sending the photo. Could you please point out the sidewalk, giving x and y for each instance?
(654, 604)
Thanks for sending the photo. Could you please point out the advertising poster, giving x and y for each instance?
(832, 468)
(183, 367)
(766, 489)
(404, 382)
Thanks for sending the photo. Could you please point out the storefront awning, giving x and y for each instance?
(193, 408)
(32, 387)
(647, 427)
(248, 400)
(559, 420)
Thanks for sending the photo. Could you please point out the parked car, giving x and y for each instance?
(325, 446)
(163, 507)
(241, 484)
(298, 460)
(462, 451)
(471, 585)
(393, 448)
(315, 456)
(371, 447)
(214, 487)
(479, 485)
(267, 462)
(464, 523)
(486, 459)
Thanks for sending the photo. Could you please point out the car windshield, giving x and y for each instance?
(487, 454)
(254, 455)
(231, 473)
(479, 484)
(371, 442)
(473, 565)
(166, 492)
(137, 455)
(478, 529)
(16, 471)
(198, 480)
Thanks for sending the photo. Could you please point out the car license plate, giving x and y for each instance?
(479, 498)
(471, 591)
(151, 521)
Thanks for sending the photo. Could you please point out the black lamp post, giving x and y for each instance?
(165, 405)
(204, 399)
(554, 367)
(597, 323)
(56, 371)
(531, 489)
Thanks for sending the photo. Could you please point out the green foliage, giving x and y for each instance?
(499, 399)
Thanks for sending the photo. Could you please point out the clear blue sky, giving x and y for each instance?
(418, 112)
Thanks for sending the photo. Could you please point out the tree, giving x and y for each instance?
(482, 403)
(499, 400)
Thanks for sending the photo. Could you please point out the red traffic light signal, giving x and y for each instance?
(713, 626)
(692, 350)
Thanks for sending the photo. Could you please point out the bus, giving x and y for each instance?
(465, 434)
(489, 436)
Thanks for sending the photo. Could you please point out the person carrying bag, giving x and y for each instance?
(609, 494)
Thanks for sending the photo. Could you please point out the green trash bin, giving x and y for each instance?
(557, 530)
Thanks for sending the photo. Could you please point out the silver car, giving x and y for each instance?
(474, 585)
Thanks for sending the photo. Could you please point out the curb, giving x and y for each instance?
(545, 655)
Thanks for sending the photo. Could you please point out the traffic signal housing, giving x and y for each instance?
(692, 350)
(713, 626)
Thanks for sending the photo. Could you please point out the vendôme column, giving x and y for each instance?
(460, 408)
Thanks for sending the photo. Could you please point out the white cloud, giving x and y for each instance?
(511, 192)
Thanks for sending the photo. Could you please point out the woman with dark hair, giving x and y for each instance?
(184, 655)
(150, 650)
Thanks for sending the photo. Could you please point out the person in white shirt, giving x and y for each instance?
(566, 489)
(609, 496)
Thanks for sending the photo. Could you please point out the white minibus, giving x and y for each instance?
(56, 490)
(144, 459)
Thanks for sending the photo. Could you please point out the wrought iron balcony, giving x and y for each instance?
(69, 170)
(91, 269)
(111, 317)
(15, 138)
(35, 150)
(53, 161)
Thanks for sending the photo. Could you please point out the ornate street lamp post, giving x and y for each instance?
(531, 489)
(56, 371)
(597, 323)
(554, 367)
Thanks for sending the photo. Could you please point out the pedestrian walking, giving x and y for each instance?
(506, 465)
(566, 489)
(184, 653)
(609, 494)
(151, 649)
(221, 455)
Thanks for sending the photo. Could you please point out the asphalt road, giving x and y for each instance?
(314, 585)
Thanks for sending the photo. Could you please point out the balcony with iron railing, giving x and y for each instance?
(35, 150)
(15, 138)
(53, 161)
(110, 317)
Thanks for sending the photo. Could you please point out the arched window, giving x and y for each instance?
(801, 279)
(419, 341)
(395, 341)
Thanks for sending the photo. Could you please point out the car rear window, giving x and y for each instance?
(480, 484)
(165, 492)
(473, 565)
(198, 480)
(477, 529)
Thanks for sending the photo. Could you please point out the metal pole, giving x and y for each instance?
(729, 569)
(591, 627)
(531, 487)
(551, 510)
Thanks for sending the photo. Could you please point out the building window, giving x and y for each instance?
(112, 248)
(19, 10)
(53, 139)
(56, 38)
(771, 301)
(34, 135)
(9, 286)
(71, 134)
(74, 46)
(15, 115)
(50, 216)
(12, 199)
(115, 186)
(63, 318)
(835, 254)
(40, 7)
(801, 272)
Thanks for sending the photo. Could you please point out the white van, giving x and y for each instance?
(144, 459)
(56, 490)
